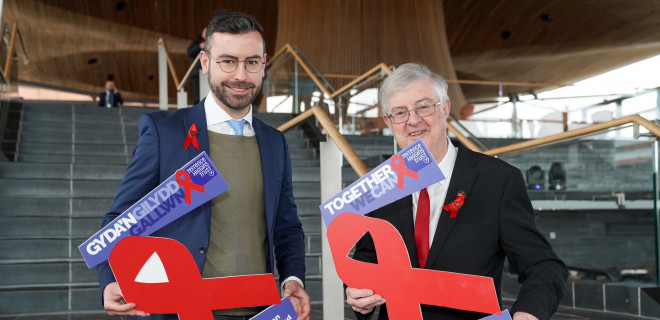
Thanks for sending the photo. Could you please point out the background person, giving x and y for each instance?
(110, 98)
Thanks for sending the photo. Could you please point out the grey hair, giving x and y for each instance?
(404, 76)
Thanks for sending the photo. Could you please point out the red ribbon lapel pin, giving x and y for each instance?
(453, 206)
(192, 138)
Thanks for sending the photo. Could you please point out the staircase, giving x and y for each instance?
(71, 159)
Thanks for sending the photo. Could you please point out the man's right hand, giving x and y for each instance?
(115, 305)
(363, 300)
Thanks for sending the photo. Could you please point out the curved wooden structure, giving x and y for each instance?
(513, 42)
(347, 36)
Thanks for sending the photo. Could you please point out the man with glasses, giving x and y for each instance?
(467, 223)
(255, 222)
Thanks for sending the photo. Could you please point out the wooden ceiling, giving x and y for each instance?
(546, 42)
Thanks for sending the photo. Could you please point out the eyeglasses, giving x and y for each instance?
(252, 65)
(401, 114)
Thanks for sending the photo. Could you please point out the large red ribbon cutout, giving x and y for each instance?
(403, 287)
(185, 293)
(183, 179)
(401, 170)
(192, 138)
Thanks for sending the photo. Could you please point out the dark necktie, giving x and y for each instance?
(422, 227)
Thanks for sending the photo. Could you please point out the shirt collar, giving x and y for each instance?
(447, 163)
(215, 114)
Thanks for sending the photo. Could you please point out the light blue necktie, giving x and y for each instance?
(237, 125)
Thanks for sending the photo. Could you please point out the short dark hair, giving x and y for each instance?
(233, 22)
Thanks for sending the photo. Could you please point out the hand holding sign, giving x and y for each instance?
(160, 276)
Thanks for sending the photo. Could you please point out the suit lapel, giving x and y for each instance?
(270, 183)
(403, 211)
(462, 180)
(197, 116)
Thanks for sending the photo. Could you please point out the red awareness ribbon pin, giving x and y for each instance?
(192, 138)
(185, 292)
(453, 206)
(403, 287)
(399, 165)
(183, 179)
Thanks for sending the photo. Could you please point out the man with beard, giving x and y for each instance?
(244, 229)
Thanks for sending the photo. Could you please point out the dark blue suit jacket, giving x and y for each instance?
(160, 152)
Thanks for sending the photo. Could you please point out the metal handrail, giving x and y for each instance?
(10, 56)
(187, 75)
(170, 64)
(288, 48)
(313, 67)
(572, 134)
(326, 123)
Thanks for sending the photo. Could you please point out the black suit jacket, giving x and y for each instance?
(496, 220)
(117, 99)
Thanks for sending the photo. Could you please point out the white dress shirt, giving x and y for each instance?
(216, 118)
(438, 191)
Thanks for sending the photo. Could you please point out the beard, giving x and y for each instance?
(232, 101)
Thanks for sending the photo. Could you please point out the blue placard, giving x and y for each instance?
(197, 182)
(412, 169)
(504, 316)
(283, 311)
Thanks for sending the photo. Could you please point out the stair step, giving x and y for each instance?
(311, 223)
(304, 163)
(81, 159)
(55, 207)
(78, 138)
(87, 128)
(50, 301)
(312, 243)
(308, 206)
(19, 170)
(306, 189)
(304, 174)
(77, 149)
(11, 249)
(303, 154)
(43, 188)
(21, 227)
(51, 273)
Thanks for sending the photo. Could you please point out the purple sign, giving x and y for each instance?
(197, 182)
(504, 316)
(283, 311)
(412, 169)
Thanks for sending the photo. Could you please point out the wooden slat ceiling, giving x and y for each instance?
(61, 36)
(559, 41)
(533, 41)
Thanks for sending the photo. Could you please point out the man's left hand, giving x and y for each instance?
(299, 298)
(520, 315)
